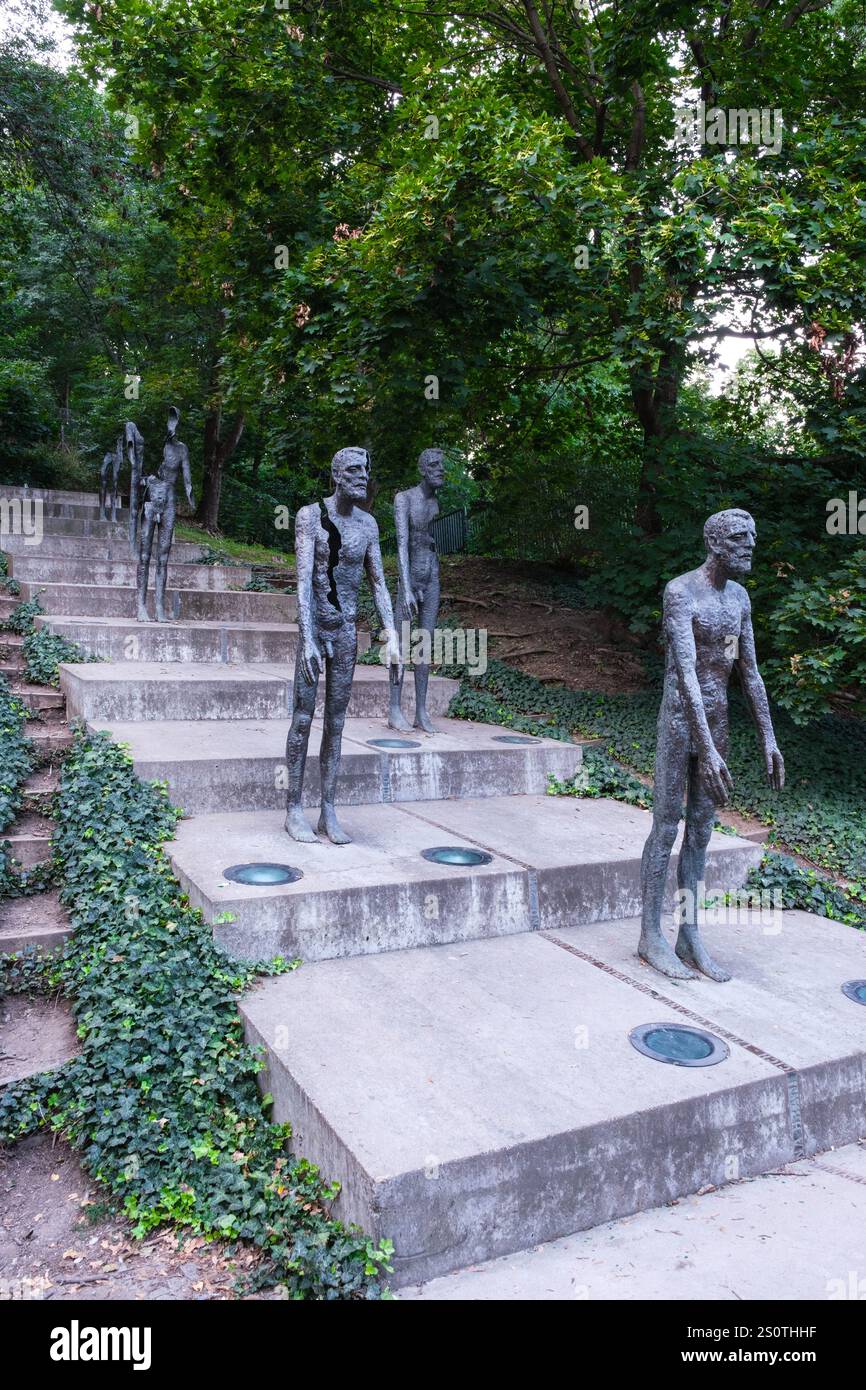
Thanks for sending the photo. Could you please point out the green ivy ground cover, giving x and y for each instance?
(162, 1100)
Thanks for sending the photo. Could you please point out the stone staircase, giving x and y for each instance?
(455, 1049)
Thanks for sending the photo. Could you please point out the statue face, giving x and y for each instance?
(352, 476)
(735, 544)
(433, 469)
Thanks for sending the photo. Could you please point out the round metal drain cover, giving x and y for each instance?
(856, 990)
(679, 1044)
(458, 855)
(262, 875)
(393, 743)
(514, 738)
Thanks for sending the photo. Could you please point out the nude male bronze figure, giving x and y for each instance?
(156, 497)
(336, 541)
(707, 630)
(418, 581)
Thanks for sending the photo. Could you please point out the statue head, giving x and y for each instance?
(350, 471)
(431, 467)
(173, 422)
(730, 536)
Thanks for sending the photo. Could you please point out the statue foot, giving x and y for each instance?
(693, 952)
(657, 951)
(142, 615)
(160, 615)
(422, 721)
(398, 721)
(330, 826)
(299, 827)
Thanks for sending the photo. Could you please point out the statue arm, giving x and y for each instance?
(756, 698)
(187, 476)
(681, 638)
(382, 599)
(401, 524)
(306, 528)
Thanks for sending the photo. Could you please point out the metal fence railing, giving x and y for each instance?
(451, 532)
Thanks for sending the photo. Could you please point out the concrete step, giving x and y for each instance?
(43, 569)
(49, 494)
(11, 644)
(114, 601)
(82, 527)
(144, 690)
(51, 741)
(39, 788)
(553, 862)
(29, 839)
(210, 764)
(38, 921)
(124, 639)
(40, 699)
(99, 548)
(480, 1099)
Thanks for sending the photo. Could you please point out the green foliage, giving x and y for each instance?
(162, 1100)
(807, 889)
(598, 775)
(20, 620)
(16, 754)
(44, 650)
(820, 627)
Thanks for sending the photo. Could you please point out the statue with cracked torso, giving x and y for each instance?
(336, 542)
(707, 630)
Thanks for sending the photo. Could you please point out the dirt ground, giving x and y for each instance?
(58, 1242)
(585, 649)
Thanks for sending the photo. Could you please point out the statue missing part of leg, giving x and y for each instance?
(335, 542)
(418, 583)
(109, 473)
(158, 507)
(134, 447)
(131, 446)
(707, 629)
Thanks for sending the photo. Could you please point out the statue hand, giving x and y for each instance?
(392, 653)
(775, 765)
(411, 604)
(311, 661)
(716, 779)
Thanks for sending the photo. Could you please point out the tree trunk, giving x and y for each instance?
(216, 453)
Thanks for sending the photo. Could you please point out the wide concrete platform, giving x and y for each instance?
(47, 569)
(796, 1234)
(553, 861)
(478, 1098)
(74, 547)
(124, 639)
(80, 526)
(144, 690)
(186, 605)
(210, 765)
(49, 494)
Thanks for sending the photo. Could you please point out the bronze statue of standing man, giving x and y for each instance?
(418, 579)
(336, 541)
(707, 630)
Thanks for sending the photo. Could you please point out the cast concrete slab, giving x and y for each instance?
(124, 639)
(376, 894)
(297, 919)
(793, 1235)
(477, 1098)
(585, 853)
(785, 999)
(104, 548)
(47, 569)
(116, 601)
(214, 763)
(195, 691)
